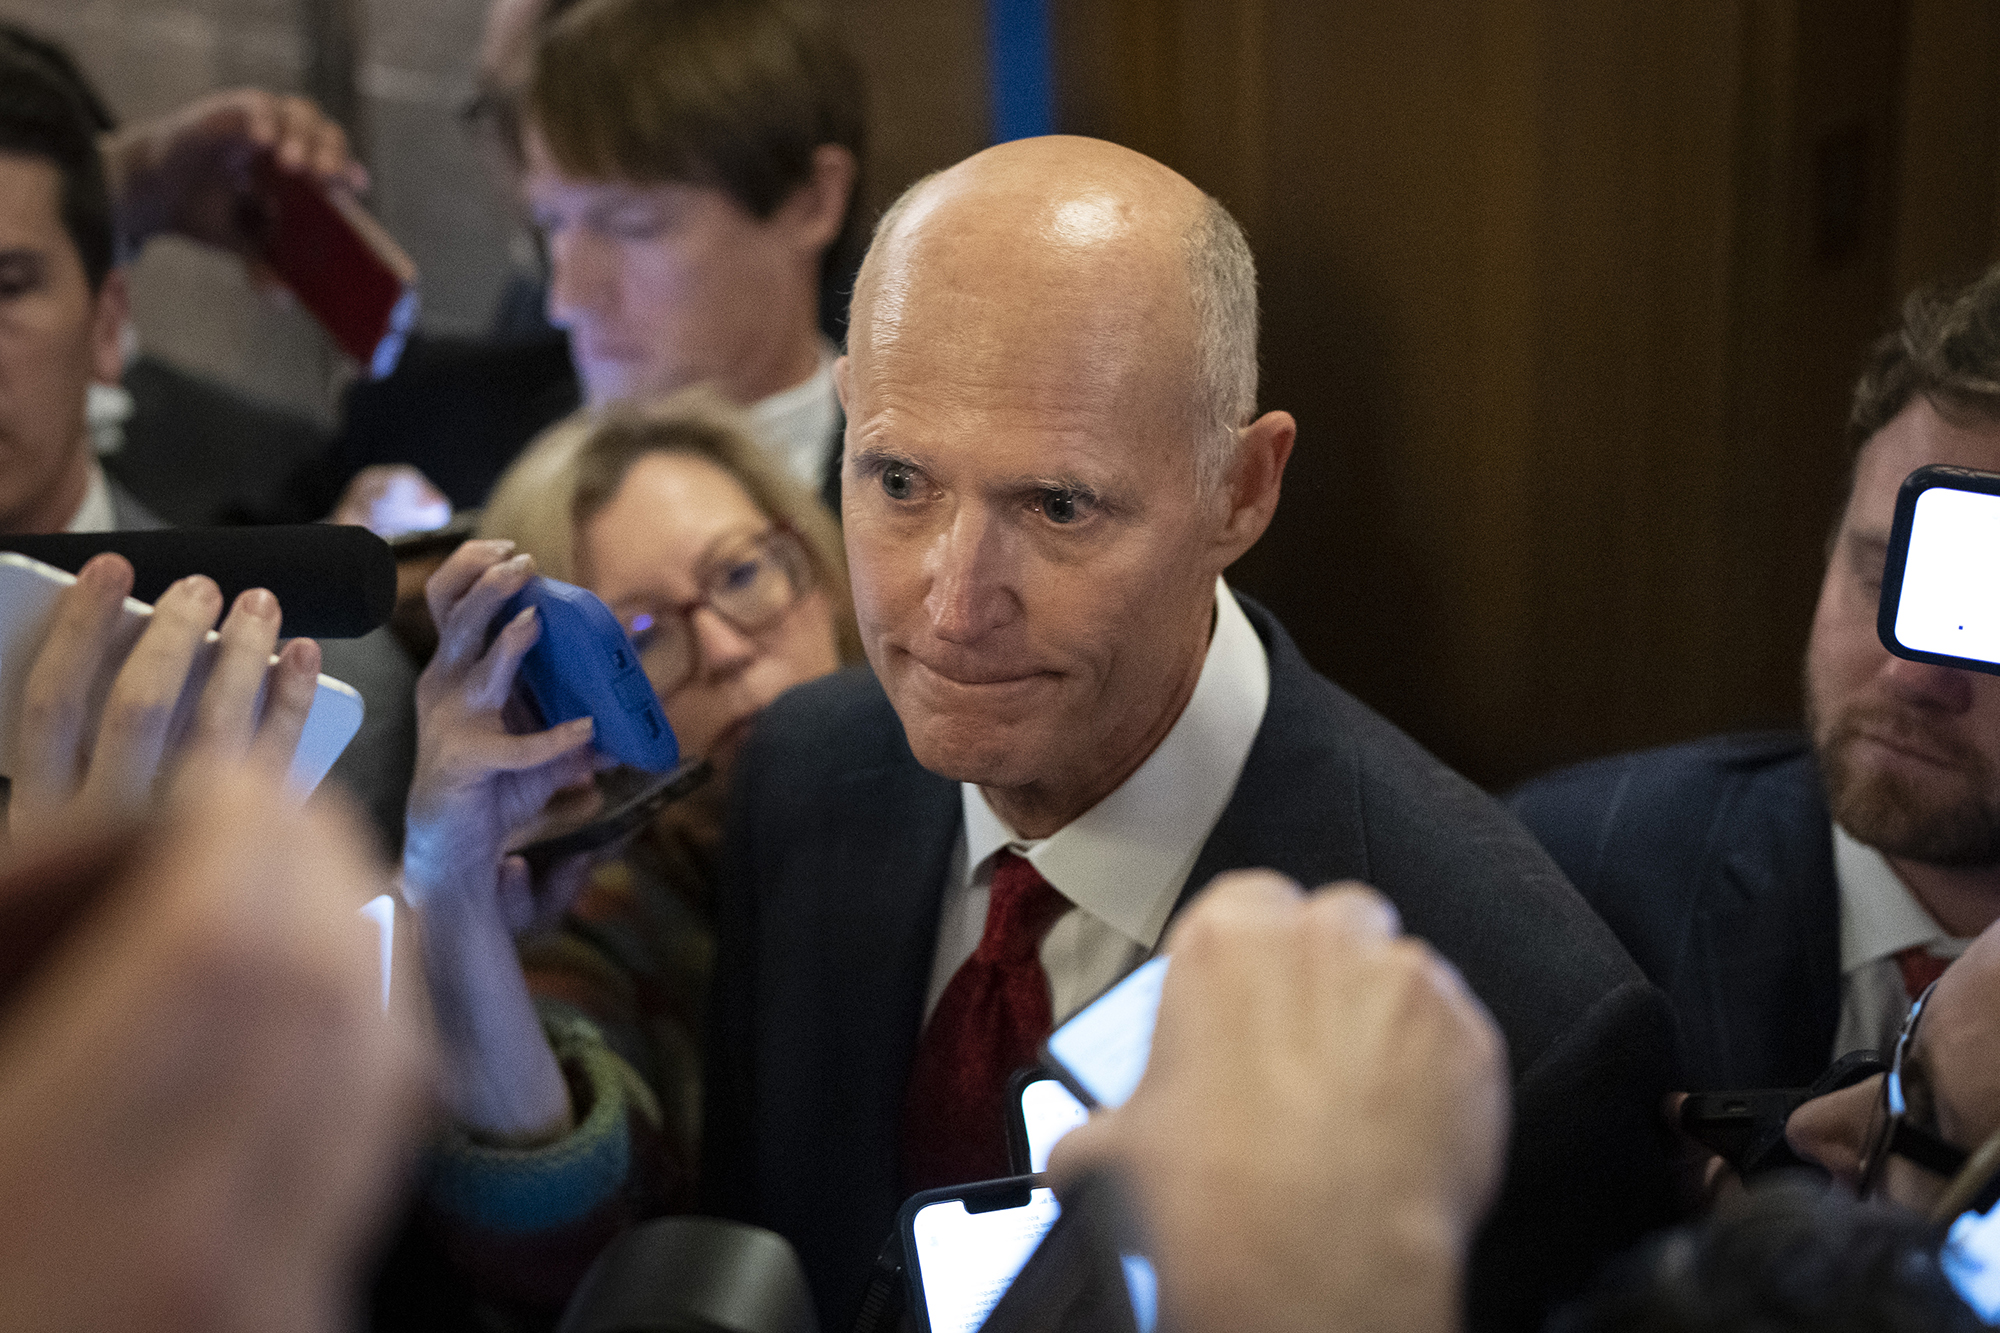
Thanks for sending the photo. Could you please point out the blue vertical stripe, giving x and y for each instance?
(1018, 66)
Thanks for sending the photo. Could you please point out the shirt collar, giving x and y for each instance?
(96, 513)
(795, 424)
(1126, 859)
(1879, 916)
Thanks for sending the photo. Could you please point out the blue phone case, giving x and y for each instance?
(585, 665)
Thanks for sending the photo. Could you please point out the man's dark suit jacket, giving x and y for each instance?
(828, 918)
(1713, 862)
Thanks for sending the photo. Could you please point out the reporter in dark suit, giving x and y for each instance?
(1792, 894)
(1051, 458)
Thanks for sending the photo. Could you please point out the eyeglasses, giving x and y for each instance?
(751, 585)
(1896, 1130)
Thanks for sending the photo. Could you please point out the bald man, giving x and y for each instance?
(1071, 724)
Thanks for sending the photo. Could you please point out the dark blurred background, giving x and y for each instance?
(1567, 296)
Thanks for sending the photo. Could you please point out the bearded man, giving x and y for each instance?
(1792, 894)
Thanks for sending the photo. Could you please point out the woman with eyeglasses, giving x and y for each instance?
(570, 1006)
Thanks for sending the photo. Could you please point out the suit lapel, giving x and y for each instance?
(1297, 805)
(1765, 938)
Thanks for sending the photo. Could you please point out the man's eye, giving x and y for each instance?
(899, 481)
(1060, 507)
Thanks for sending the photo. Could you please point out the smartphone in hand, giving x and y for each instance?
(1941, 575)
(342, 264)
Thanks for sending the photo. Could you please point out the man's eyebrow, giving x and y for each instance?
(874, 454)
(1069, 483)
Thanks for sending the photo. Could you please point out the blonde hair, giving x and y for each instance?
(572, 470)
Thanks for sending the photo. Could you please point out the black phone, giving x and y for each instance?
(1089, 1274)
(625, 799)
(1040, 1110)
(962, 1246)
(1941, 577)
(1746, 1128)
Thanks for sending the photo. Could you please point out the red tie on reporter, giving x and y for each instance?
(993, 1014)
(1920, 968)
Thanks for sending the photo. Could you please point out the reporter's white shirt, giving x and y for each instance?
(1879, 918)
(95, 514)
(1124, 861)
(795, 425)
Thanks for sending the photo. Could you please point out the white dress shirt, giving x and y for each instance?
(95, 514)
(1879, 918)
(1123, 862)
(795, 425)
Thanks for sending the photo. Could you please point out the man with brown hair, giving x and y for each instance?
(691, 166)
(1792, 893)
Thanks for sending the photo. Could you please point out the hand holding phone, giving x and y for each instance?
(99, 693)
(341, 263)
(1311, 1070)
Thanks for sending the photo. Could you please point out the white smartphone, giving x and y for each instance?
(963, 1245)
(1043, 1110)
(1941, 578)
(28, 591)
(1102, 1051)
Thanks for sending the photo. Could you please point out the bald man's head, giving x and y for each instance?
(1049, 463)
(1071, 228)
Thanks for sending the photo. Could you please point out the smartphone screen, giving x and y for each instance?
(1941, 581)
(1971, 1259)
(381, 910)
(1048, 1111)
(964, 1258)
(1102, 1050)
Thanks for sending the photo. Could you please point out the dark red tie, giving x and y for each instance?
(1920, 968)
(993, 1014)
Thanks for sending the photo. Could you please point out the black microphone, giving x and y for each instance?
(331, 581)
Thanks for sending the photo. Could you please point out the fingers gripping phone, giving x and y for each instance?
(584, 665)
(1941, 577)
(28, 592)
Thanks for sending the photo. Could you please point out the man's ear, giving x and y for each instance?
(816, 210)
(1250, 491)
(110, 308)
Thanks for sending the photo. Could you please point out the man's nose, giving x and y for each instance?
(581, 273)
(968, 566)
(1925, 685)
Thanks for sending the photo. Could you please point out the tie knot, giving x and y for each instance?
(1022, 908)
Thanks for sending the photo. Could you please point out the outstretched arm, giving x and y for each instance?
(476, 784)
(189, 172)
